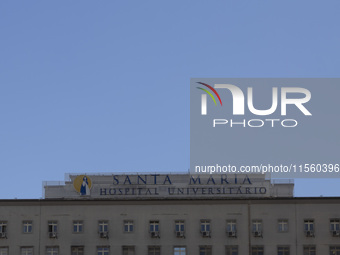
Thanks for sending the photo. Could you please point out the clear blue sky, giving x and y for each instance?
(103, 86)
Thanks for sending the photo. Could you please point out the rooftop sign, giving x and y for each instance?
(137, 186)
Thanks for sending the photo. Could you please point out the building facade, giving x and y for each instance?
(176, 214)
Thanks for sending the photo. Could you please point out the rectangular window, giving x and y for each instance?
(103, 250)
(256, 226)
(52, 227)
(283, 250)
(77, 250)
(309, 250)
(52, 250)
(231, 225)
(128, 250)
(77, 226)
(205, 225)
(179, 225)
(205, 250)
(257, 250)
(27, 226)
(154, 226)
(308, 225)
(3, 226)
(26, 251)
(231, 250)
(128, 226)
(283, 225)
(335, 224)
(3, 250)
(154, 250)
(3, 229)
(103, 226)
(334, 250)
(180, 251)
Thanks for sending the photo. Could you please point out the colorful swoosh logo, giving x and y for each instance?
(209, 93)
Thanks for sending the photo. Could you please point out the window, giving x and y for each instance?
(283, 225)
(335, 224)
(128, 250)
(257, 250)
(27, 226)
(231, 225)
(309, 250)
(205, 225)
(3, 229)
(179, 228)
(154, 226)
(179, 225)
(103, 250)
(3, 226)
(205, 250)
(334, 250)
(103, 226)
(52, 250)
(154, 229)
(77, 226)
(77, 250)
(154, 250)
(283, 250)
(26, 251)
(231, 250)
(128, 226)
(309, 225)
(52, 227)
(257, 226)
(309, 228)
(180, 251)
(3, 250)
(205, 228)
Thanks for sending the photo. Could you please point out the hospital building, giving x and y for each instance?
(170, 214)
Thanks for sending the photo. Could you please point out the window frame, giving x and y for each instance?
(154, 247)
(336, 222)
(154, 223)
(282, 230)
(257, 222)
(285, 249)
(3, 223)
(54, 224)
(102, 247)
(309, 222)
(229, 249)
(128, 223)
(207, 251)
(128, 247)
(257, 251)
(52, 247)
(179, 247)
(78, 225)
(309, 247)
(77, 247)
(103, 223)
(180, 223)
(206, 223)
(4, 248)
(337, 247)
(26, 247)
(27, 223)
(231, 222)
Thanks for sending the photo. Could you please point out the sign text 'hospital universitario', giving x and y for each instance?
(207, 189)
